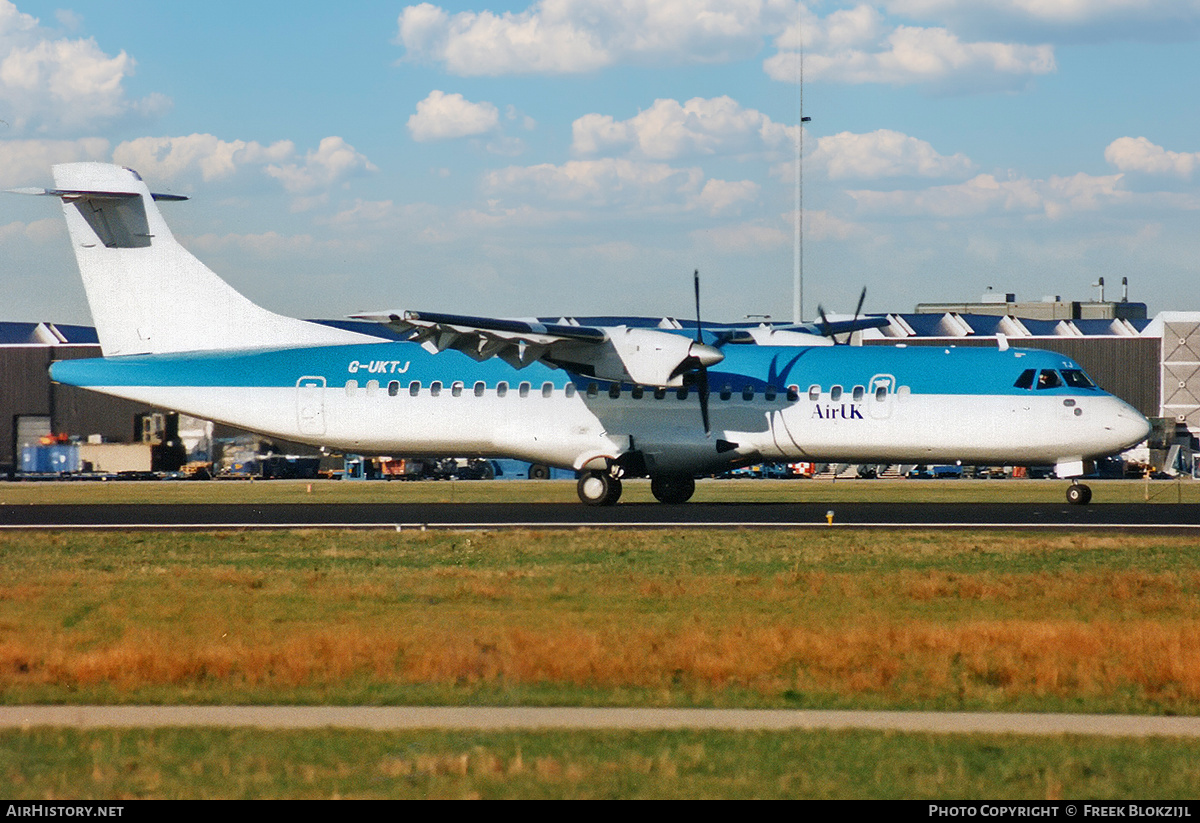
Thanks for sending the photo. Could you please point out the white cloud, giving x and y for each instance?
(849, 45)
(569, 36)
(24, 162)
(38, 232)
(744, 237)
(1138, 154)
(911, 55)
(175, 158)
(270, 245)
(631, 186)
(669, 130)
(984, 194)
(442, 116)
(182, 159)
(52, 85)
(332, 163)
(722, 196)
(884, 153)
(1075, 20)
(599, 183)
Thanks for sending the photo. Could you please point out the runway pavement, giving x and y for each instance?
(1134, 516)
(394, 718)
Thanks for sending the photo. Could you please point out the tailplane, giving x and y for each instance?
(147, 293)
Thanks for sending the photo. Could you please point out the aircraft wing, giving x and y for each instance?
(762, 332)
(620, 353)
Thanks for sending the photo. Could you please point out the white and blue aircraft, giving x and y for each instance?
(608, 401)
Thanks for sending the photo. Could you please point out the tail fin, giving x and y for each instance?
(147, 293)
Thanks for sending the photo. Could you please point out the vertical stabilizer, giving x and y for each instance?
(148, 294)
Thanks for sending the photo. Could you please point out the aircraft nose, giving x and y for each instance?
(1128, 426)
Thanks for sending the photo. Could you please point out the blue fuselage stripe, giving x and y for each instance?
(924, 370)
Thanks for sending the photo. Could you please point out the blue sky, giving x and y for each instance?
(584, 156)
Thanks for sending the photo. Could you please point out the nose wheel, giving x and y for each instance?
(1079, 494)
(599, 488)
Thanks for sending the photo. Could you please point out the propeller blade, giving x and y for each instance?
(861, 298)
(825, 329)
(703, 354)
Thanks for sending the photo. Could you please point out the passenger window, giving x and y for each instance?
(748, 393)
(372, 388)
(570, 390)
(726, 392)
(393, 388)
(814, 393)
(501, 389)
(637, 392)
(881, 393)
(1025, 381)
(858, 393)
(835, 394)
(793, 394)
(456, 388)
(523, 389)
(769, 394)
(614, 391)
(480, 388)
(593, 390)
(660, 393)
(682, 394)
(414, 388)
(547, 390)
(1049, 379)
(351, 388)
(435, 388)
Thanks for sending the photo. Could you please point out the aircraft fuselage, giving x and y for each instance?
(820, 403)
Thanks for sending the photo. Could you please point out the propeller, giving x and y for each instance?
(699, 357)
(827, 330)
(702, 369)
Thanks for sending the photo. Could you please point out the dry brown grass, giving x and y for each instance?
(984, 660)
(934, 620)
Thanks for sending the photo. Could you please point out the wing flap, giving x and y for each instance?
(619, 353)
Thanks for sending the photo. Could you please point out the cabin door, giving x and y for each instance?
(310, 405)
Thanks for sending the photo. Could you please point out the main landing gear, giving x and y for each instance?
(1079, 494)
(600, 488)
(672, 488)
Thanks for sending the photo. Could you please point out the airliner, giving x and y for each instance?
(610, 401)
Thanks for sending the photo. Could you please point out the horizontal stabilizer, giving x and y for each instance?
(79, 194)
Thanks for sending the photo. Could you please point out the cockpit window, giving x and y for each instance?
(1076, 379)
(1025, 381)
(1049, 379)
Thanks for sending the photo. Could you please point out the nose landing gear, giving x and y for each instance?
(599, 488)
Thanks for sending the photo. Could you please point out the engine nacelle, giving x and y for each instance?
(653, 358)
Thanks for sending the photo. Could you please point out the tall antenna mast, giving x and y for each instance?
(798, 240)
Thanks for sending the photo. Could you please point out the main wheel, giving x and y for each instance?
(1079, 494)
(539, 471)
(599, 489)
(672, 488)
